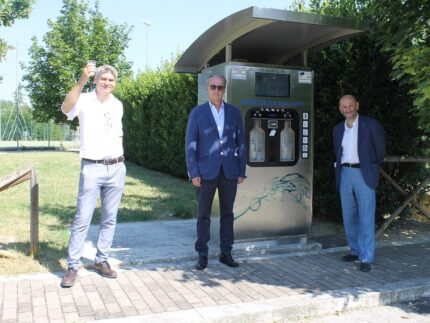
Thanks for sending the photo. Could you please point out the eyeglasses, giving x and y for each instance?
(214, 87)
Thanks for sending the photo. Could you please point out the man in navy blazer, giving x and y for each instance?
(359, 145)
(215, 153)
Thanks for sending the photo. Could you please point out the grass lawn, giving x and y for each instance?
(35, 144)
(148, 195)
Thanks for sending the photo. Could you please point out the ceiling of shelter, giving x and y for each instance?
(266, 36)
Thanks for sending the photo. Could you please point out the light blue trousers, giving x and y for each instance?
(358, 208)
(108, 183)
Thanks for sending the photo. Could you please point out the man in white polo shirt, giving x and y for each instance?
(102, 166)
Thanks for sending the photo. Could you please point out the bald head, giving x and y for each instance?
(348, 97)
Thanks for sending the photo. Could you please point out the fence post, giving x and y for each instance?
(34, 213)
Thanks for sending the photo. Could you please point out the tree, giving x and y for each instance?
(403, 28)
(79, 34)
(10, 10)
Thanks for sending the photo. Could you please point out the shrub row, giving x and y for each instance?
(156, 108)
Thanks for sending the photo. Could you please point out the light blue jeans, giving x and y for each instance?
(358, 208)
(108, 183)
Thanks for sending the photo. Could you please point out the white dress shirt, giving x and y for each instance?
(219, 117)
(350, 144)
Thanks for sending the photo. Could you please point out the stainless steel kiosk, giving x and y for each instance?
(263, 55)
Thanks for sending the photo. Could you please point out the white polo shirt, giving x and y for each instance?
(100, 126)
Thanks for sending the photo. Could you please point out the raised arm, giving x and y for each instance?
(73, 96)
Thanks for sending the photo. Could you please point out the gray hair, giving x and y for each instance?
(106, 69)
(217, 76)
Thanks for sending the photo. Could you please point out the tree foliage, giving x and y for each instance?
(403, 29)
(10, 10)
(79, 34)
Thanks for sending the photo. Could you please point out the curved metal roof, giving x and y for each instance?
(268, 36)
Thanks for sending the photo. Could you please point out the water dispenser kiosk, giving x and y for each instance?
(263, 55)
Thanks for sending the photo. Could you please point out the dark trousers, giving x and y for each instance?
(205, 195)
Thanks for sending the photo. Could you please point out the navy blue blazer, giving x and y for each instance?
(371, 149)
(206, 152)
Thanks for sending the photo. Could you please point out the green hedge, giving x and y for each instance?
(156, 108)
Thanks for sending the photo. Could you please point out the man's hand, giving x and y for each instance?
(196, 181)
(89, 70)
(240, 180)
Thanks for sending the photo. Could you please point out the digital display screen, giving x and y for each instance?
(271, 84)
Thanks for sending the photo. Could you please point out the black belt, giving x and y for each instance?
(112, 161)
(351, 165)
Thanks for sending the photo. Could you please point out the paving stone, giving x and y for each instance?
(272, 284)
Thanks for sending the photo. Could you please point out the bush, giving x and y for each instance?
(156, 108)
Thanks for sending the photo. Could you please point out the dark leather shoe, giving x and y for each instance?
(349, 258)
(202, 262)
(104, 269)
(365, 267)
(69, 278)
(228, 260)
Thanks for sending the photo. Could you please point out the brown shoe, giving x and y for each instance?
(104, 269)
(69, 277)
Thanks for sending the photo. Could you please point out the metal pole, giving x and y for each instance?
(228, 53)
(49, 134)
(16, 91)
(305, 58)
(147, 33)
(147, 24)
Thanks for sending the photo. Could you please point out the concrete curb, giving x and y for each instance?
(295, 307)
(379, 244)
(240, 254)
(256, 253)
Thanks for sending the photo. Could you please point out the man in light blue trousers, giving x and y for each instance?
(359, 145)
(102, 166)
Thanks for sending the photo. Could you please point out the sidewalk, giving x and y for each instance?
(157, 281)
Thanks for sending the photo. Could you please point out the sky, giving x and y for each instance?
(174, 26)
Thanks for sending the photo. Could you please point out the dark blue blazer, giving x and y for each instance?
(206, 152)
(371, 148)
